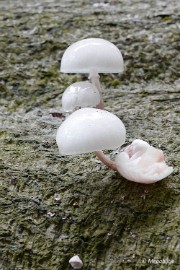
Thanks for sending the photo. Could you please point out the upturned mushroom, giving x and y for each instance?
(92, 56)
(80, 94)
(142, 163)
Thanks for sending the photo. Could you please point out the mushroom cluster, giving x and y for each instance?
(89, 130)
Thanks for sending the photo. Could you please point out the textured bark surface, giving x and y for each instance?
(53, 207)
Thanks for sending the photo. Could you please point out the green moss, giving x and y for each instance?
(4, 91)
(115, 83)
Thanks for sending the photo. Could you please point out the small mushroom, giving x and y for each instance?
(76, 262)
(142, 163)
(80, 94)
(91, 130)
(92, 56)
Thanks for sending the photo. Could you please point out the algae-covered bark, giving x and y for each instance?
(53, 207)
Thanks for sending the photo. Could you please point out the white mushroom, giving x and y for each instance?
(80, 94)
(93, 130)
(88, 130)
(142, 163)
(76, 262)
(92, 56)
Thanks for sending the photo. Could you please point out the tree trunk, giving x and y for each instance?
(53, 207)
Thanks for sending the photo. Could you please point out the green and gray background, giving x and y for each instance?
(52, 207)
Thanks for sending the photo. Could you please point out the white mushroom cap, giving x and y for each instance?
(142, 163)
(88, 130)
(76, 262)
(80, 94)
(92, 54)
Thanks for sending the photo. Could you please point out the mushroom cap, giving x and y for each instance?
(80, 94)
(88, 130)
(92, 54)
(142, 163)
(76, 262)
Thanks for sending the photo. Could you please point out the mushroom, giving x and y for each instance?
(92, 56)
(76, 262)
(142, 163)
(80, 94)
(91, 130)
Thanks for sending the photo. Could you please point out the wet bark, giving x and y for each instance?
(53, 207)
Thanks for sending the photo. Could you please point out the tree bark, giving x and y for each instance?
(53, 207)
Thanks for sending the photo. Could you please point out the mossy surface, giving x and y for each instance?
(53, 207)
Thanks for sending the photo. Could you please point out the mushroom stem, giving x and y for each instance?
(94, 79)
(104, 159)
